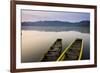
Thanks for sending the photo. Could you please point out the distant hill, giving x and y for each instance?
(57, 23)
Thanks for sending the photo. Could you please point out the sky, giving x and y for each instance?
(33, 16)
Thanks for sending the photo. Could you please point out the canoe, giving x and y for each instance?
(73, 51)
(54, 52)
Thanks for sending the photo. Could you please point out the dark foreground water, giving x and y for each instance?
(37, 40)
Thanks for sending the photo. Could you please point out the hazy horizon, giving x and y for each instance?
(40, 15)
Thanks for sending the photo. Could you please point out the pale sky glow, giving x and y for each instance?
(32, 16)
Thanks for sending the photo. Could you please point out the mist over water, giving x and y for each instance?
(37, 40)
(56, 28)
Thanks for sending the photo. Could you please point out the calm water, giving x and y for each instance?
(56, 28)
(37, 40)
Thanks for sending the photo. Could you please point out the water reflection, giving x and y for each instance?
(36, 43)
(56, 28)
